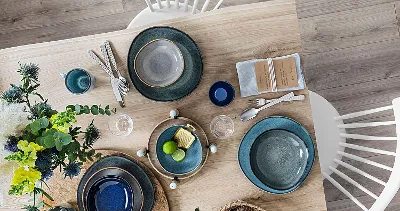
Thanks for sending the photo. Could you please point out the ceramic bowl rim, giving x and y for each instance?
(146, 45)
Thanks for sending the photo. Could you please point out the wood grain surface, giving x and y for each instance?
(224, 37)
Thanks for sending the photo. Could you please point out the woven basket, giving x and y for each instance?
(240, 206)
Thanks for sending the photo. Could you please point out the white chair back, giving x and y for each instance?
(392, 185)
(177, 4)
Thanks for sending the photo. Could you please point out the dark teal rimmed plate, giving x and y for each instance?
(130, 166)
(193, 64)
(277, 154)
(193, 157)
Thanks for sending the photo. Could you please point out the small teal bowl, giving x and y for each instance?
(277, 154)
(78, 81)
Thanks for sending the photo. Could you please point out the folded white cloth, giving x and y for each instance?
(247, 76)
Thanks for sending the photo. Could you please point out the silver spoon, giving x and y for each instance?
(250, 113)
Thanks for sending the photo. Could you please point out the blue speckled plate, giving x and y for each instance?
(128, 165)
(193, 64)
(193, 154)
(277, 154)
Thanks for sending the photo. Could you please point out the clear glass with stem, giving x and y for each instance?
(222, 127)
(120, 124)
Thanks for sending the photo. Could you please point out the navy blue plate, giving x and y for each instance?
(113, 181)
(99, 195)
(221, 93)
(277, 154)
(193, 154)
(124, 163)
(193, 64)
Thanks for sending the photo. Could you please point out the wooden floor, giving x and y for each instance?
(351, 52)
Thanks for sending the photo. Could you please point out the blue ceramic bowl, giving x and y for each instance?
(277, 154)
(193, 154)
(221, 93)
(79, 81)
(110, 193)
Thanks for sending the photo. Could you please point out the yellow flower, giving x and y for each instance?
(25, 178)
(26, 146)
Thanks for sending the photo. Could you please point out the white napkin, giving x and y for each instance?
(247, 76)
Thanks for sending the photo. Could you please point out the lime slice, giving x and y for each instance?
(169, 147)
(179, 155)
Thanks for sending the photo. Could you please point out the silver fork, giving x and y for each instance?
(262, 101)
(114, 63)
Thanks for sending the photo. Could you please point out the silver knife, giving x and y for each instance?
(118, 97)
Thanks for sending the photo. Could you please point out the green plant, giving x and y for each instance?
(50, 140)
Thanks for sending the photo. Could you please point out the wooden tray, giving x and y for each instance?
(63, 190)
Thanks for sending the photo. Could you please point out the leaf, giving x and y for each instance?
(108, 112)
(44, 122)
(107, 107)
(72, 157)
(94, 109)
(197, 209)
(101, 111)
(83, 159)
(78, 109)
(45, 194)
(98, 155)
(72, 107)
(61, 139)
(86, 109)
(91, 152)
(35, 127)
(90, 159)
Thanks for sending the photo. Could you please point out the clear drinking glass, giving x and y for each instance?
(120, 125)
(222, 126)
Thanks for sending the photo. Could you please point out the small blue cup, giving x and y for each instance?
(78, 81)
(221, 93)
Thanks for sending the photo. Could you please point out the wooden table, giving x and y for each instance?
(225, 37)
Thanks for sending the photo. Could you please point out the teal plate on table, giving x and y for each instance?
(277, 154)
(193, 64)
(192, 159)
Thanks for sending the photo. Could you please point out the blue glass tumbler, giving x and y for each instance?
(78, 81)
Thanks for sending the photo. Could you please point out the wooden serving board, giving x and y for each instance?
(64, 190)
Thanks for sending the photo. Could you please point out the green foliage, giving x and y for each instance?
(50, 132)
(94, 109)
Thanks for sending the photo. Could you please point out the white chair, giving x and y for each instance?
(331, 138)
(163, 10)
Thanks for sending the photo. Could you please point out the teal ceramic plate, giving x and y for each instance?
(193, 155)
(277, 154)
(193, 64)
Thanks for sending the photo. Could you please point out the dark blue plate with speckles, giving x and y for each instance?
(147, 189)
(221, 93)
(193, 154)
(277, 154)
(193, 64)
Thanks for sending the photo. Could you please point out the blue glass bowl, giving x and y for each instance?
(221, 93)
(277, 154)
(193, 154)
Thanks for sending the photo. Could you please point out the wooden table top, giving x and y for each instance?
(225, 36)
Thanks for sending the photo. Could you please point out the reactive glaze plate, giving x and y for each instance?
(126, 164)
(269, 151)
(193, 154)
(159, 63)
(123, 186)
(221, 93)
(193, 64)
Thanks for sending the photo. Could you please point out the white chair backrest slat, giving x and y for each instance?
(185, 5)
(347, 193)
(205, 6)
(367, 149)
(351, 181)
(168, 3)
(363, 113)
(195, 5)
(368, 138)
(218, 4)
(360, 172)
(366, 161)
(149, 5)
(159, 4)
(368, 124)
(176, 4)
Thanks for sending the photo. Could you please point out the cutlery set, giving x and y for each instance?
(250, 113)
(119, 85)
